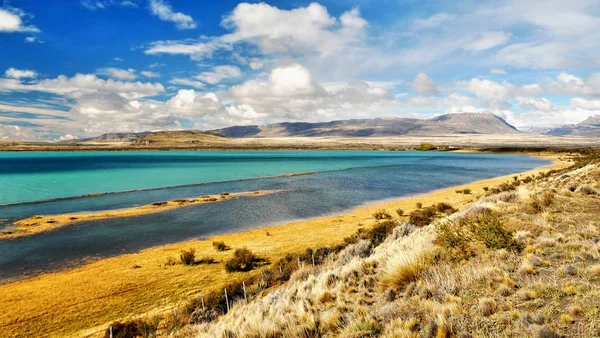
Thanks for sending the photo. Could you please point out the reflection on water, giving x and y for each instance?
(305, 196)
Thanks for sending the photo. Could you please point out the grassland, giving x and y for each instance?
(83, 301)
(43, 223)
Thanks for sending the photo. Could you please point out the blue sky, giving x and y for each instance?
(84, 67)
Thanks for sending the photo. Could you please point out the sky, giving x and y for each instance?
(79, 68)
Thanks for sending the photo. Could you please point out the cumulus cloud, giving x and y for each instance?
(220, 73)
(303, 29)
(11, 21)
(581, 103)
(163, 11)
(424, 85)
(20, 74)
(118, 73)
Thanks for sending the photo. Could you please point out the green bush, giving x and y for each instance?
(381, 214)
(487, 228)
(242, 260)
(188, 257)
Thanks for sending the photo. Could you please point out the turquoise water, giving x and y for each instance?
(38, 176)
(345, 179)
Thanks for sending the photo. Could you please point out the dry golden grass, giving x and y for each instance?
(112, 289)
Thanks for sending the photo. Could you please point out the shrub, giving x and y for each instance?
(419, 205)
(538, 204)
(454, 239)
(381, 214)
(188, 257)
(422, 217)
(220, 246)
(127, 329)
(488, 229)
(242, 260)
(427, 147)
(400, 212)
(379, 232)
(445, 208)
(486, 189)
(488, 306)
(586, 189)
(467, 191)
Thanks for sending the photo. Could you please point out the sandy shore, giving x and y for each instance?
(39, 224)
(136, 284)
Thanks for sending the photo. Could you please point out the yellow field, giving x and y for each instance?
(84, 300)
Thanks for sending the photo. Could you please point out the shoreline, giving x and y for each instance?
(44, 223)
(153, 286)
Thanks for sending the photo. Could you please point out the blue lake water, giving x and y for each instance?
(344, 179)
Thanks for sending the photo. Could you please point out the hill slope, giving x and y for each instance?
(464, 123)
(588, 128)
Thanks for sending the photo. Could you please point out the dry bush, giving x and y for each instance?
(587, 190)
(444, 208)
(422, 217)
(220, 246)
(188, 257)
(381, 214)
(400, 212)
(242, 260)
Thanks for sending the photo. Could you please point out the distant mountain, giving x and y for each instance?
(464, 123)
(109, 137)
(588, 128)
(536, 130)
(170, 137)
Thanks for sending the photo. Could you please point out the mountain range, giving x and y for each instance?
(588, 128)
(449, 124)
(464, 123)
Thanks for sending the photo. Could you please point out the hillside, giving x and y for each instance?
(464, 123)
(588, 128)
(178, 137)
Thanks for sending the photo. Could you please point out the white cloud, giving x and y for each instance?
(220, 73)
(93, 5)
(149, 74)
(164, 12)
(67, 137)
(434, 20)
(81, 84)
(196, 49)
(187, 82)
(118, 73)
(20, 74)
(488, 40)
(32, 39)
(498, 71)
(540, 104)
(425, 85)
(569, 79)
(304, 29)
(11, 21)
(581, 103)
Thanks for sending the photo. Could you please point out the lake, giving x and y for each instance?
(50, 183)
